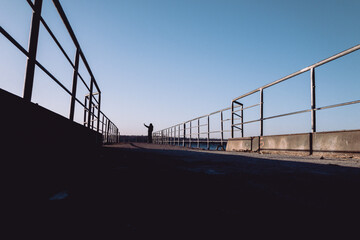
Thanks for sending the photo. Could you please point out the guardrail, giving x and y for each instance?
(182, 134)
(94, 118)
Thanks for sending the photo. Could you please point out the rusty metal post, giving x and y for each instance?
(261, 112)
(74, 85)
(33, 43)
(313, 102)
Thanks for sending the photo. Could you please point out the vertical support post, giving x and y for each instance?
(74, 85)
(92, 116)
(90, 101)
(261, 112)
(107, 131)
(222, 128)
(179, 136)
(208, 132)
(184, 134)
(242, 120)
(33, 43)
(102, 124)
(313, 102)
(232, 119)
(198, 140)
(85, 110)
(98, 113)
(190, 135)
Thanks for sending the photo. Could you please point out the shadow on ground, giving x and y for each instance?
(140, 191)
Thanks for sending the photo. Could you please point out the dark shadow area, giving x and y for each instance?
(146, 192)
(42, 152)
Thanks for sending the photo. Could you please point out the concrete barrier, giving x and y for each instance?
(41, 151)
(337, 143)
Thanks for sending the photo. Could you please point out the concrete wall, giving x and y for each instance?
(339, 143)
(41, 151)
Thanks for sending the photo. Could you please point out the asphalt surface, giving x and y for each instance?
(151, 190)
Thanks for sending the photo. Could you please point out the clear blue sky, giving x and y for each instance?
(168, 61)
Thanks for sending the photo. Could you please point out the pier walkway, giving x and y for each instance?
(149, 189)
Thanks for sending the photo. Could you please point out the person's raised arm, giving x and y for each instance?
(146, 126)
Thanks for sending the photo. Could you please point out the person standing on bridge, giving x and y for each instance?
(150, 130)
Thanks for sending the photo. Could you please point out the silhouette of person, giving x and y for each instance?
(150, 130)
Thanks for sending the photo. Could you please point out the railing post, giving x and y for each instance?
(107, 131)
(90, 101)
(190, 135)
(208, 132)
(102, 124)
(184, 134)
(179, 135)
(198, 140)
(222, 127)
(98, 113)
(92, 116)
(242, 120)
(313, 102)
(74, 86)
(85, 110)
(33, 43)
(261, 112)
(232, 119)
(174, 141)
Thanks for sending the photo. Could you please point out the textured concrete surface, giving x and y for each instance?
(339, 143)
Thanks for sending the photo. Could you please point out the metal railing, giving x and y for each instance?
(191, 133)
(181, 134)
(94, 118)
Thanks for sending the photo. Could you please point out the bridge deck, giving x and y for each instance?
(145, 189)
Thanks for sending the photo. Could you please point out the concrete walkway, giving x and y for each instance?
(152, 190)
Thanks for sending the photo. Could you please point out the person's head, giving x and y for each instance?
(150, 124)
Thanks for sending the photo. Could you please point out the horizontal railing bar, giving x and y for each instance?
(237, 115)
(13, 41)
(338, 105)
(336, 56)
(73, 37)
(287, 114)
(52, 76)
(226, 120)
(247, 107)
(84, 82)
(31, 4)
(56, 41)
(222, 110)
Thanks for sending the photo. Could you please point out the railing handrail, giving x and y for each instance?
(165, 137)
(315, 65)
(111, 133)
